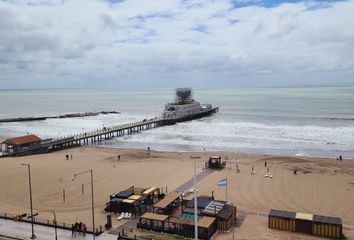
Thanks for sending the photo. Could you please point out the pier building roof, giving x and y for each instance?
(24, 139)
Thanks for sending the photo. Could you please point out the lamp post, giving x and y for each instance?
(195, 198)
(92, 199)
(30, 190)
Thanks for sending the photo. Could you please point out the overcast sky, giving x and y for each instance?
(170, 43)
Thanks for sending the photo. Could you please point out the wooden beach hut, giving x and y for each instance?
(215, 163)
(281, 220)
(303, 222)
(226, 217)
(152, 221)
(184, 226)
(324, 226)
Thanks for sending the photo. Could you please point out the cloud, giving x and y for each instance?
(175, 42)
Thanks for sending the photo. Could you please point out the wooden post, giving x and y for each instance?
(63, 195)
(82, 189)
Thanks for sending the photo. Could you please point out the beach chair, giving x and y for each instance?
(129, 215)
(120, 217)
(126, 215)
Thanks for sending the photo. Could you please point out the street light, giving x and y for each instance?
(92, 200)
(195, 198)
(30, 189)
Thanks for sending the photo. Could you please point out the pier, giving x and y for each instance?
(99, 135)
(91, 137)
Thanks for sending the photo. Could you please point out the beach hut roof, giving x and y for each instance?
(283, 214)
(24, 139)
(150, 190)
(202, 202)
(167, 200)
(327, 219)
(123, 194)
(226, 212)
(135, 197)
(214, 208)
(205, 222)
(154, 216)
(130, 201)
(304, 216)
(116, 200)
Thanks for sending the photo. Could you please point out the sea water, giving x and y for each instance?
(311, 121)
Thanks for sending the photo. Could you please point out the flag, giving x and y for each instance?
(222, 182)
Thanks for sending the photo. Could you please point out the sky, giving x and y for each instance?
(174, 43)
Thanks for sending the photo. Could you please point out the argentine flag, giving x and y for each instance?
(222, 182)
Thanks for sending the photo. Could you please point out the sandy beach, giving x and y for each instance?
(322, 186)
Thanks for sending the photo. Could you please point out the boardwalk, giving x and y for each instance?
(189, 184)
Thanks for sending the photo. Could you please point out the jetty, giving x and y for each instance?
(68, 115)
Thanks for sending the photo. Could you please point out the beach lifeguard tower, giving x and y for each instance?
(215, 162)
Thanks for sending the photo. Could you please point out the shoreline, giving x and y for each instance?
(211, 150)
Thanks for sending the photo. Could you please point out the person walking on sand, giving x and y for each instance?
(340, 158)
(67, 157)
(71, 157)
(265, 164)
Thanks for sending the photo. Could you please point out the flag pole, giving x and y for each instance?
(226, 188)
(195, 201)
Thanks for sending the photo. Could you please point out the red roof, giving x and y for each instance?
(24, 139)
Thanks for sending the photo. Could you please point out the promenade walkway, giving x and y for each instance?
(22, 230)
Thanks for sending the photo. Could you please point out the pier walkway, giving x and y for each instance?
(105, 133)
(93, 137)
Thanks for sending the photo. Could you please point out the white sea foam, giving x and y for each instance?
(248, 136)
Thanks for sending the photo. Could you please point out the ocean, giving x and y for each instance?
(298, 121)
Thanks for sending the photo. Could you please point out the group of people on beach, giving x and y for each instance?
(78, 228)
(340, 158)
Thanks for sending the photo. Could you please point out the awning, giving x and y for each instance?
(167, 200)
(154, 216)
(150, 190)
